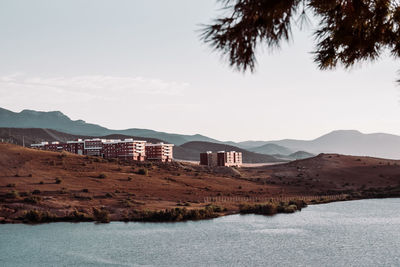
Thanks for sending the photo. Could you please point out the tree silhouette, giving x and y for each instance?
(349, 31)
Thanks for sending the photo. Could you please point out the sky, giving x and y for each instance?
(141, 64)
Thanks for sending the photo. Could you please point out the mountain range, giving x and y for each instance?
(58, 121)
(350, 142)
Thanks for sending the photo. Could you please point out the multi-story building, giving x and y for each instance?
(93, 147)
(128, 149)
(221, 158)
(159, 152)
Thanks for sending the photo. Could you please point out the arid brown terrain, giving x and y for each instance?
(63, 186)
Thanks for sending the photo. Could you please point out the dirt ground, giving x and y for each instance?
(63, 182)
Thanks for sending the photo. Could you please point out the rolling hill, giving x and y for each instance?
(271, 149)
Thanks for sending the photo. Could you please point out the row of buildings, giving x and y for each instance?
(221, 158)
(128, 149)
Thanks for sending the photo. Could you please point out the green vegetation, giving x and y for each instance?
(273, 208)
(175, 215)
(36, 216)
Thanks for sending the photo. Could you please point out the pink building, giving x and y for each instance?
(159, 152)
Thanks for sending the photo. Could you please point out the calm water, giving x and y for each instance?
(357, 233)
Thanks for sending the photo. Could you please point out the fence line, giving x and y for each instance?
(223, 199)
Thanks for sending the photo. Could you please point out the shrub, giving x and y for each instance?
(36, 216)
(41, 182)
(33, 199)
(264, 209)
(101, 215)
(102, 176)
(129, 178)
(10, 185)
(85, 190)
(36, 192)
(290, 209)
(13, 194)
(63, 191)
(16, 175)
(58, 180)
(82, 197)
(173, 215)
(143, 171)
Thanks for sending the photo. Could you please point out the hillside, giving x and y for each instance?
(70, 187)
(334, 172)
(193, 150)
(56, 120)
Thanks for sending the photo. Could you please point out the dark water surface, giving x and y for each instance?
(353, 233)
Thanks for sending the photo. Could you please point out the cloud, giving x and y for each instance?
(100, 86)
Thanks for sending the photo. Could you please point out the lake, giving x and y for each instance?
(357, 233)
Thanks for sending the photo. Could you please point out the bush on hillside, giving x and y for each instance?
(143, 171)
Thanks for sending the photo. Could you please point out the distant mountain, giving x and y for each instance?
(301, 155)
(30, 136)
(349, 142)
(251, 144)
(192, 150)
(188, 151)
(58, 121)
(271, 149)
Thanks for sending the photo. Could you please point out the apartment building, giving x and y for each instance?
(221, 158)
(128, 149)
(159, 152)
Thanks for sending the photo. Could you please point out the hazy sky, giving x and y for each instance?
(140, 64)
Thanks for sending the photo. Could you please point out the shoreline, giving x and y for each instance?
(174, 215)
